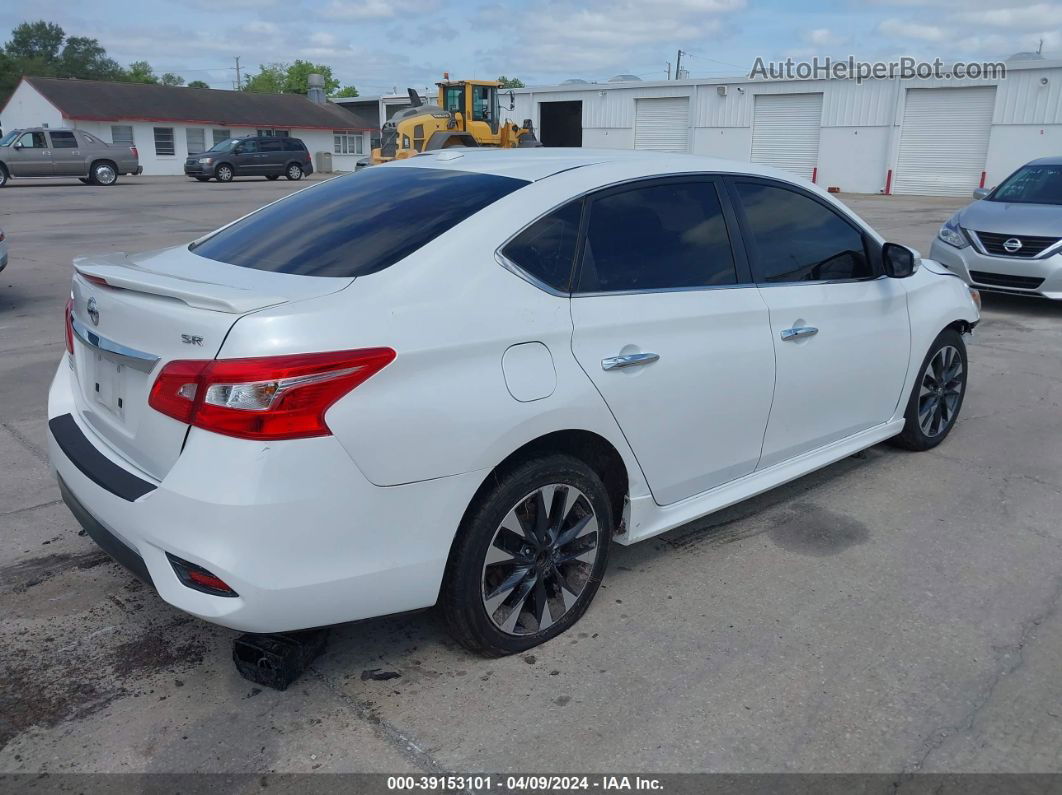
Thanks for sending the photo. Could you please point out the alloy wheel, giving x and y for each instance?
(540, 560)
(294, 173)
(105, 175)
(940, 391)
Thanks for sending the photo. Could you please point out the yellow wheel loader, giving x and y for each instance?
(468, 113)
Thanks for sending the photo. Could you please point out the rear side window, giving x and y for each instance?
(797, 239)
(63, 140)
(294, 145)
(357, 224)
(271, 145)
(664, 236)
(546, 249)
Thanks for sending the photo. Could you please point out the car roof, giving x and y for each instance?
(533, 164)
(1046, 161)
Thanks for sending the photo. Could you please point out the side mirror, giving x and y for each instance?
(18, 144)
(512, 100)
(899, 261)
(980, 193)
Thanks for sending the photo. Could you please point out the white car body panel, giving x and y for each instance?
(337, 528)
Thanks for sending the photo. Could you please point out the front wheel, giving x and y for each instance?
(224, 173)
(3, 176)
(529, 556)
(938, 393)
(294, 172)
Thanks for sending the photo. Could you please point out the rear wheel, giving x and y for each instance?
(529, 556)
(84, 180)
(224, 173)
(103, 173)
(937, 396)
(294, 172)
(3, 175)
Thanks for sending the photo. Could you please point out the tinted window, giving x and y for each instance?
(294, 145)
(63, 140)
(357, 224)
(797, 239)
(246, 147)
(657, 237)
(271, 145)
(547, 247)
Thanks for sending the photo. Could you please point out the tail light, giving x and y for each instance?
(134, 152)
(275, 397)
(69, 320)
(199, 579)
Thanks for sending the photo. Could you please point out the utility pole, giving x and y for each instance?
(668, 69)
(678, 65)
(239, 85)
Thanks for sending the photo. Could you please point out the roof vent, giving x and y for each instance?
(317, 89)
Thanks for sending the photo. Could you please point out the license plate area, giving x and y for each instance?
(109, 383)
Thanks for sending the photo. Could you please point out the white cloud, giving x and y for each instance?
(1032, 17)
(823, 37)
(368, 10)
(911, 30)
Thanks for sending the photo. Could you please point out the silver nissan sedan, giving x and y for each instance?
(1010, 240)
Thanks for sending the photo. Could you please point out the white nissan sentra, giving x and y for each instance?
(459, 378)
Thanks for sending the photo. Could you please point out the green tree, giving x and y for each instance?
(170, 79)
(35, 40)
(346, 91)
(141, 72)
(297, 79)
(269, 80)
(510, 82)
(198, 84)
(85, 58)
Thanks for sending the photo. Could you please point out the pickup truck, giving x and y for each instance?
(43, 152)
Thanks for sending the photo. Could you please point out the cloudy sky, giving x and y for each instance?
(382, 44)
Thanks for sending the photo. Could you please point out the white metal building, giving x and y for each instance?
(168, 123)
(934, 137)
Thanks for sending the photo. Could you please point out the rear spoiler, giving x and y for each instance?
(115, 270)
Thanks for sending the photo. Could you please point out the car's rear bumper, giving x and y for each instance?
(293, 527)
(1014, 275)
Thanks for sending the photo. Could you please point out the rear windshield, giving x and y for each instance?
(357, 224)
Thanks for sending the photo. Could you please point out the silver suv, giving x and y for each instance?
(41, 152)
(1011, 239)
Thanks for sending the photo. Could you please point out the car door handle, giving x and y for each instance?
(797, 332)
(628, 360)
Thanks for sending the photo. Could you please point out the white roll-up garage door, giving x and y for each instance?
(944, 140)
(785, 132)
(662, 124)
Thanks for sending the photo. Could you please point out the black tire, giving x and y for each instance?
(554, 560)
(224, 173)
(104, 173)
(272, 177)
(3, 175)
(84, 180)
(202, 179)
(931, 416)
(293, 172)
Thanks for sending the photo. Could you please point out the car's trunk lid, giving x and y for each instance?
(134, 314)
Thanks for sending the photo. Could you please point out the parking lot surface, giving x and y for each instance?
(895, 612)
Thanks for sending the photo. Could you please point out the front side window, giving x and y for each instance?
(63, 140)
(164, 141)
(357, 224)
(481, 103)
(797, 239)
(196, 138)
(246, 147)
(455, 98)
(546, 249)
(663, 236)
(1031, 185)
(33, 140)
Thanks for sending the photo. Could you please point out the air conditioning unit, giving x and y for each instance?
(720, 90)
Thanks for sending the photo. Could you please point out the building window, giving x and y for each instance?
(272, 132)
(164, 141)
(221, 135)
(196, 140)
(346, 143)
(122, 134)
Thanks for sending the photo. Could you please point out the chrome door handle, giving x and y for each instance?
(797, 332)
(629, 360)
